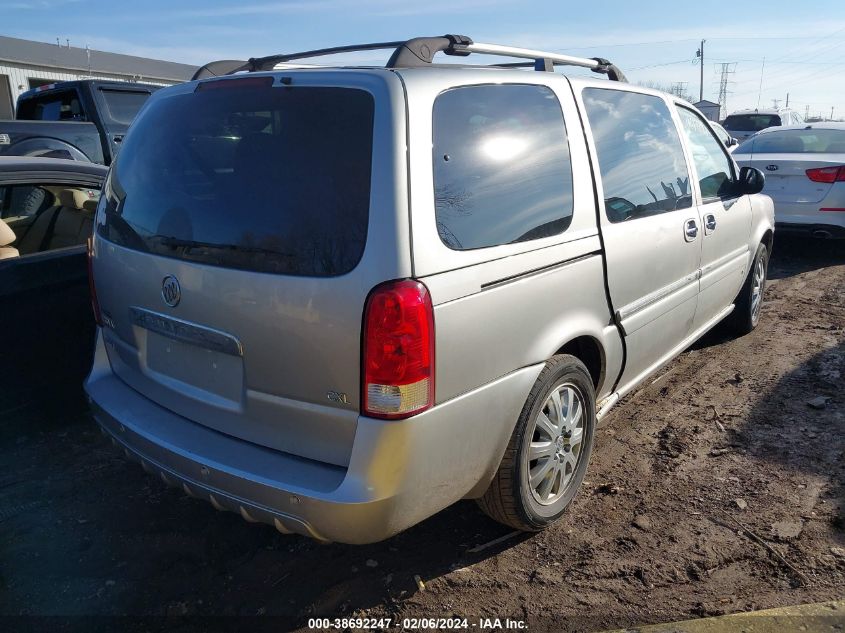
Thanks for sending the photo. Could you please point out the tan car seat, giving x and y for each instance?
(7, 236)
(70, 224)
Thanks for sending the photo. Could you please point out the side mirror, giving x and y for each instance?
(751, 180)
(732, 142)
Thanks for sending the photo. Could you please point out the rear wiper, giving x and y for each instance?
(176, 242)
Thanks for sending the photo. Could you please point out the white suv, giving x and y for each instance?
(745, 123)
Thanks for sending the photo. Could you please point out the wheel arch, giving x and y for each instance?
(768, 239)
(589, 351)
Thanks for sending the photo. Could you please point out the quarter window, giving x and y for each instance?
(643, 169)
(502, 171)
(715, 171)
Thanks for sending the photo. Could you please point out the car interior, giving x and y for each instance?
(39, 218)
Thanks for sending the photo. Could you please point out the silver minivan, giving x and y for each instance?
(338, 300)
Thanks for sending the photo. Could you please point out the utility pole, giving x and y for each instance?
(787, 100)
(831, 113)
(679, 89)
(700, 54)
(807, 112)
(760, 91)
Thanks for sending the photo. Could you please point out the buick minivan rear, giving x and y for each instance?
(250, 229)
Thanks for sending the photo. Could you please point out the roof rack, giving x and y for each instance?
(419, 52)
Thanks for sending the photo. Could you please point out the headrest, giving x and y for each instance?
(73, 198)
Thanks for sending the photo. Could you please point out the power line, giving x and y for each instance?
(681, 61)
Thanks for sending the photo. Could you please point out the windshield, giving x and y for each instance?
(247, 176)
(809, 141)
(123, 105)
(750, 122)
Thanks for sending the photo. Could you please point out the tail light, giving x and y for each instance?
(95, 305)
(398, 351)
(827, 174)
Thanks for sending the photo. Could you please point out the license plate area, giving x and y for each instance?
(204, 369)
(196, 361)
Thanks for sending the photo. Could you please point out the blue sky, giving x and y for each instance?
(803, 43)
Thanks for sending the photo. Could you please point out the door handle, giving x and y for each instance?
(690, 230)
(709, 223)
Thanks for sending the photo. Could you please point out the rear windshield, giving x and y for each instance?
(249, 176)
(123, 105)
(807, 141)
(750, 122)
(62, 105)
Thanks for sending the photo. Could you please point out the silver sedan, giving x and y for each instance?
(805, 175)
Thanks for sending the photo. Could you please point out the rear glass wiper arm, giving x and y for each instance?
(175, 242)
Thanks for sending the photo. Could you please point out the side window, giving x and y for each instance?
(643, 169)
(502, 171)
(22, 202)
(714, 168)
(47, 217)
(62, 106)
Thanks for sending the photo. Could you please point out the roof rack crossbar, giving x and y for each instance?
(542, 59)
(267, 63)
(420, 51)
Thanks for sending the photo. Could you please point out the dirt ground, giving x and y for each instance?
(715, 488)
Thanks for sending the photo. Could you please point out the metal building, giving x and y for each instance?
(709, 109)
(25, 64)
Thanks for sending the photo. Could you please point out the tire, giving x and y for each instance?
(746, 314)
(511, 498)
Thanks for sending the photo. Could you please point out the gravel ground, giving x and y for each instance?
(715, 488)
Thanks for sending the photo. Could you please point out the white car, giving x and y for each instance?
(805, 175)
(745, 123)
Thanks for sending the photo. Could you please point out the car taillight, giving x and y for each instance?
(95, 305)
(827, 174)
(398, 351)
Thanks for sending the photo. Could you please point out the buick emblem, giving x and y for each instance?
(170, 291)
(771, 167)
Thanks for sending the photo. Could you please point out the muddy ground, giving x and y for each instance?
(716, 488)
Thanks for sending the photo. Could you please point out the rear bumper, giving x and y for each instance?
(808, 218)
(818, 229)
(400, 472)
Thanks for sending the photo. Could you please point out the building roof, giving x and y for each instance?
(705, 103)
(32, 53)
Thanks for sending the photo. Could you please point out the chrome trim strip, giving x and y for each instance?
(185, 332)
(538, 271)
(725, 259)
(631, 309)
